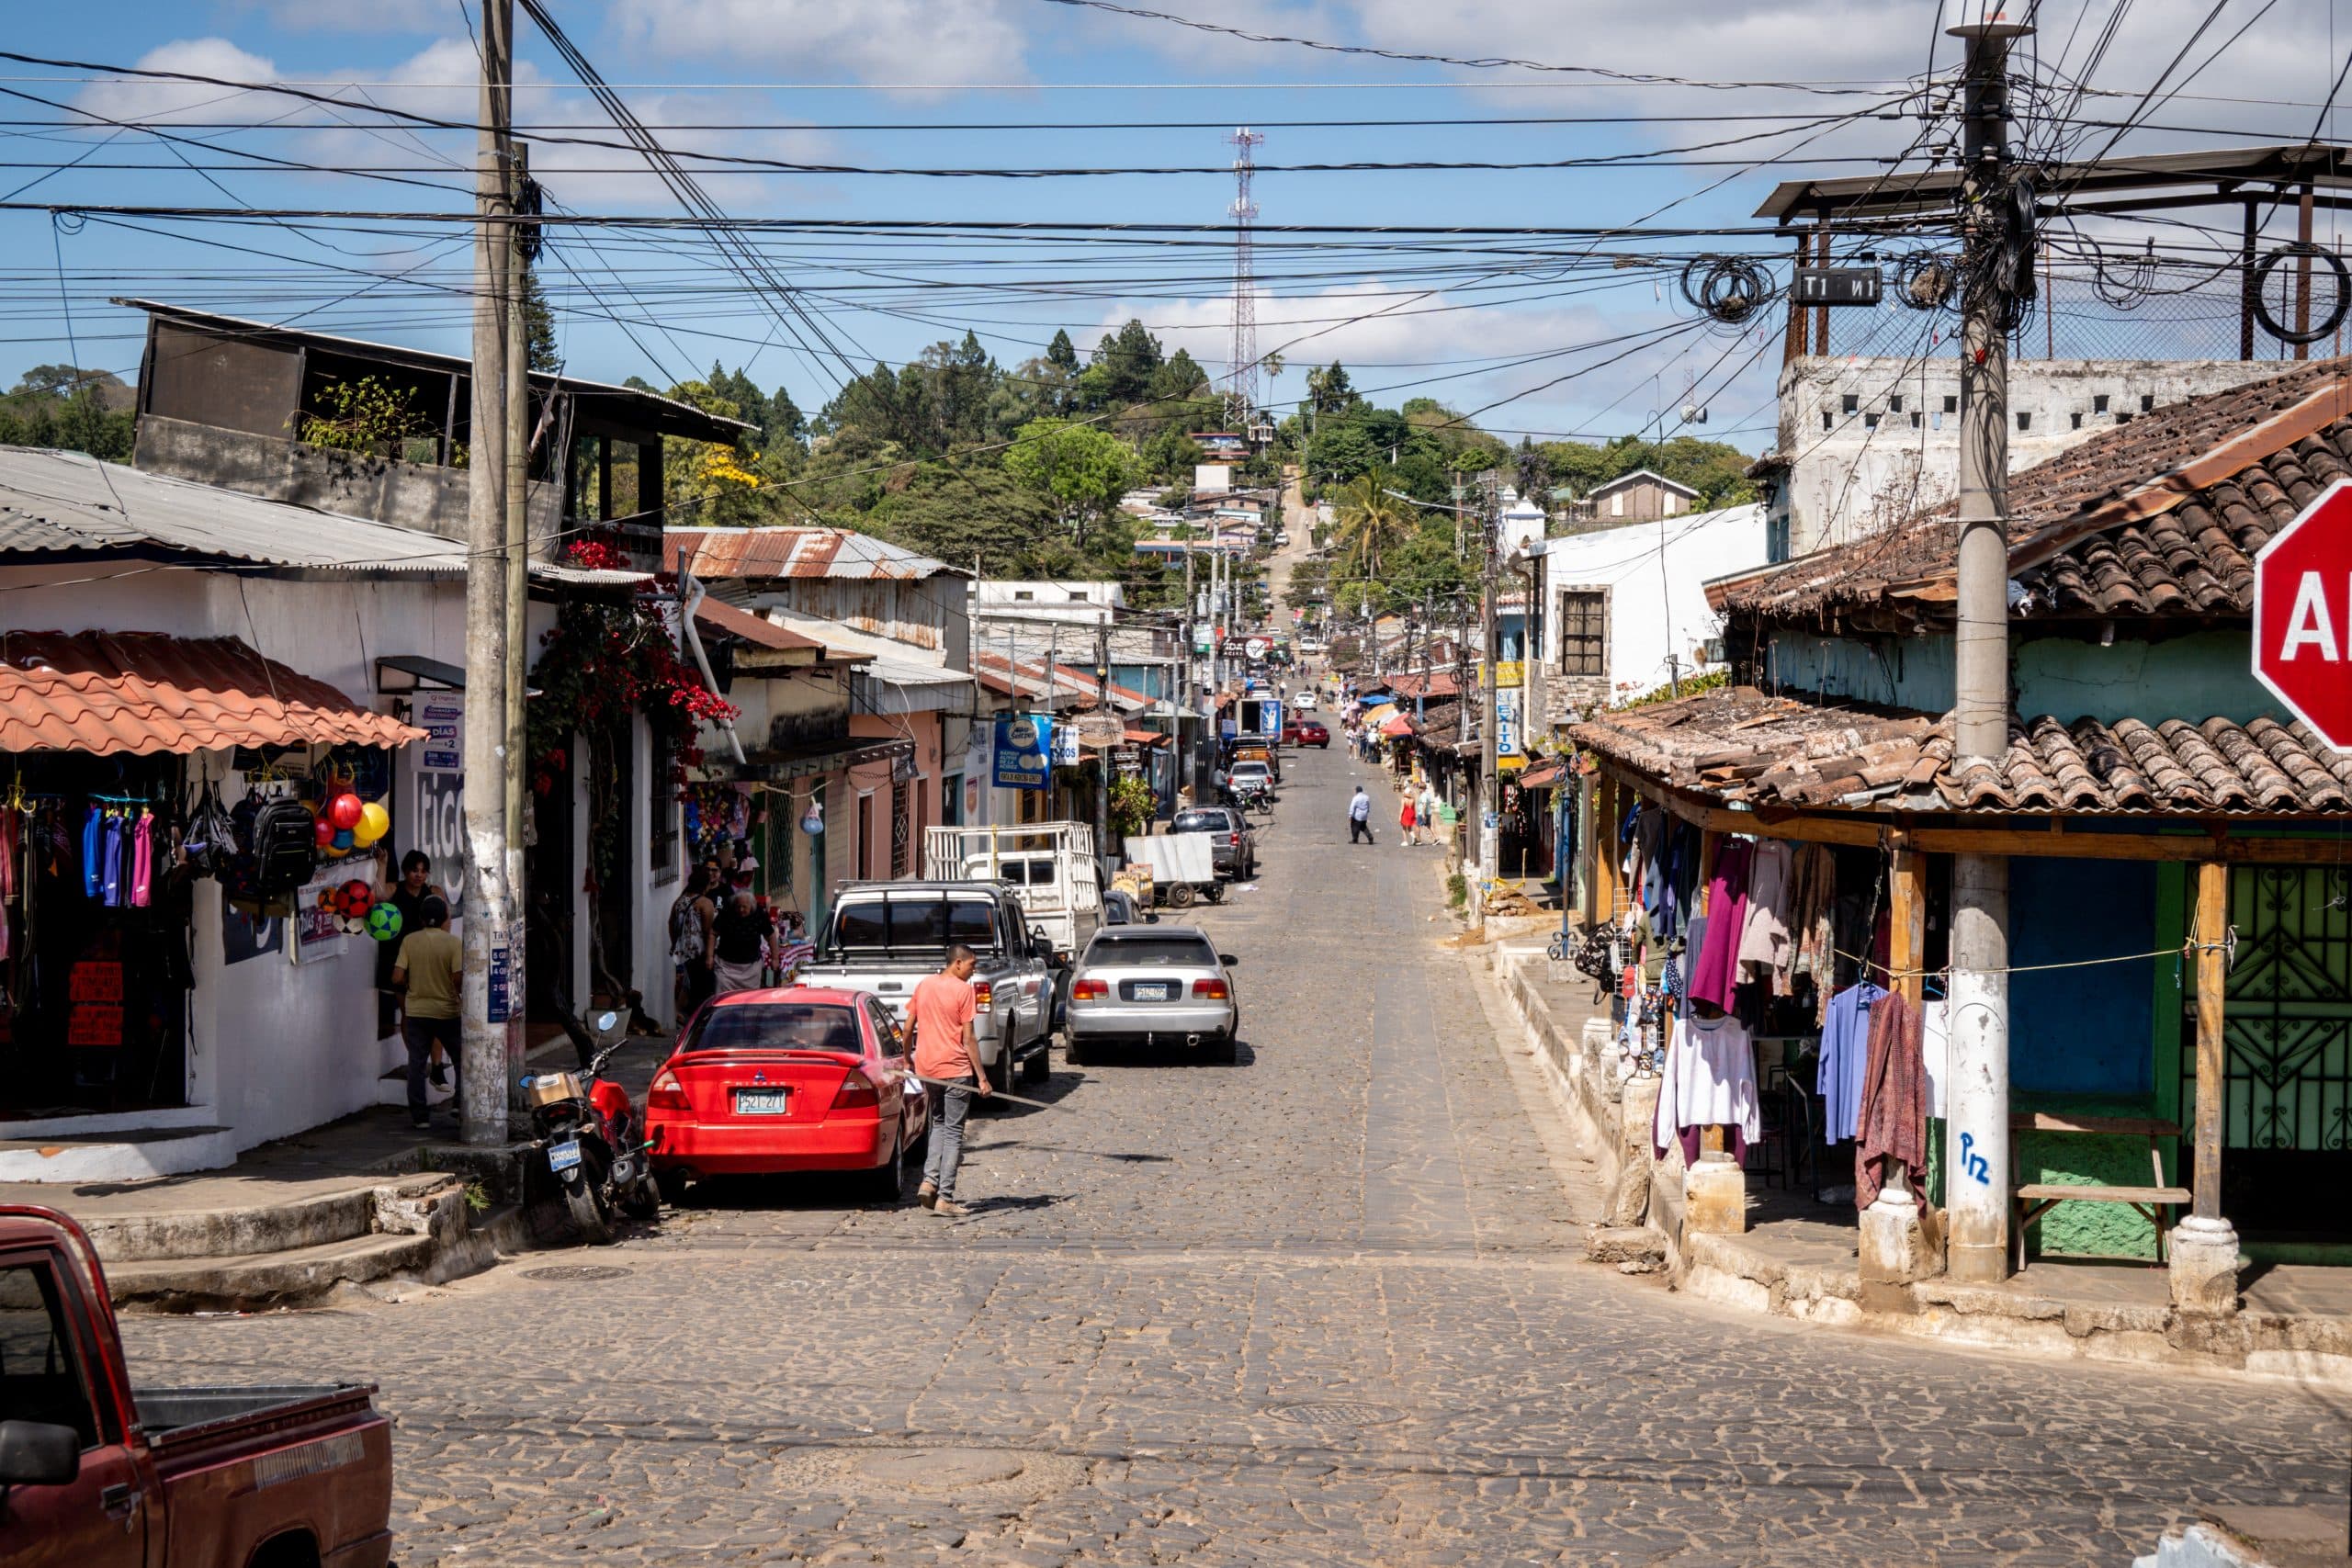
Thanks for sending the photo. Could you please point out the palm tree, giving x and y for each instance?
(1370, 521)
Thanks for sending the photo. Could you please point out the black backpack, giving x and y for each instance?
(285, 846)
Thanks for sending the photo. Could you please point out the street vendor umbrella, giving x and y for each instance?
(1397, 725)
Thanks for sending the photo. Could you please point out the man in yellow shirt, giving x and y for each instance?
(428, 975)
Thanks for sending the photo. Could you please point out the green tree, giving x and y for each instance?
(1327, 392)
(539, 345)
(1062, 355)
(1368, 521)
(1083, 469)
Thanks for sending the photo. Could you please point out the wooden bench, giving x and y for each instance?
(2033, 1200)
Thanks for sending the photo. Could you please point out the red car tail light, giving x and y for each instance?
(1088, 990)
(983, 992)
(666, 1093)
(1210, 991)
(857, 1092)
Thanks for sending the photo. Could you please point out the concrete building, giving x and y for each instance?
(1865, 443)
(1620, 603)
(1641, 496)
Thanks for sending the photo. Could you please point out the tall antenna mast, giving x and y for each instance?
(1241, 396)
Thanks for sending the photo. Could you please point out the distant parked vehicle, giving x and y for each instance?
(1306, 732)
(1234, 845)
(800, 1077)
(1157, 985)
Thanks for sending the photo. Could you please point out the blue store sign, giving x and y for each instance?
(1024, 745)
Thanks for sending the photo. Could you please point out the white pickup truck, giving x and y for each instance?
(1052, 864)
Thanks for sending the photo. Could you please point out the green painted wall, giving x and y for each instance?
(2199, 676)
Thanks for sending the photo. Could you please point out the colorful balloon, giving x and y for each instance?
(325, 831)
(344, 811)
(374, 823)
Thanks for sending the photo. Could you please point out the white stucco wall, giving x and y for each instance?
(1657, 602)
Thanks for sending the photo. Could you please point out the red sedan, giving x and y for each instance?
(799, 1079)
(1306, 732)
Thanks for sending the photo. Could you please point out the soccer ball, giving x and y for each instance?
(384, 922)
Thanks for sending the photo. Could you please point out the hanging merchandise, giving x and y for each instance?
(374, 823)
(285, 846)
(812, 821)
(142, 862)
(1845, 1058)
(1714, 974)
(344, 811)
(1764, 930)
(1710, 1081)
(384, 922)
(1812, 947)
(1894, 1126)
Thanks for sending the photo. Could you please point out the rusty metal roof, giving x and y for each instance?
(144, 692)
(794, 552)
(750, 628)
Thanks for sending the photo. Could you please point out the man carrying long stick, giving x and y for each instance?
(947, 1054)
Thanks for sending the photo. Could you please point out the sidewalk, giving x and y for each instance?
(1798, 1258)
(356, 1203)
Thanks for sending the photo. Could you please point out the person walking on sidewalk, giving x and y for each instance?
(1405, 820)
(1360, 817)
(948, 1053)
(426, 974)
(1425, 811)
(740, 941)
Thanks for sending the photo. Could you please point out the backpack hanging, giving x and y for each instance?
(285, 846)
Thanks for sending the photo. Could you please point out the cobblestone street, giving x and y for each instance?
(1326, 1305)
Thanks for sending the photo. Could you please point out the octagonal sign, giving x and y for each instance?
(2302, 615)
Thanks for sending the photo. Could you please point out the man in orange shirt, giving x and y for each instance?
(946, 1051)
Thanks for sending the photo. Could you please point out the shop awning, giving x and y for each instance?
(139, 692)
(1397, 726)
(1542, 775)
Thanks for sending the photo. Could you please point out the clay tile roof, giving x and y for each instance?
(2160, 516)
(1745, 747)
(145, 691)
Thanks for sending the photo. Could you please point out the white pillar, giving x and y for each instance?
(1976, 1131)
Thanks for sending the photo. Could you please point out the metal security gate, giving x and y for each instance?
(902, 829)
(2287, 1126)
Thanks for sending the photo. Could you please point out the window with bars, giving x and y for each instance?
(902, 826)
(1584, 632)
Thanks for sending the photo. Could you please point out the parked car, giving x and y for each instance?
(1166, 984)
(97, 1473)
(801, 1077)
(885, 937)
(1120, 908)
(1306, 732)
(1252, 785)
(1234, 849)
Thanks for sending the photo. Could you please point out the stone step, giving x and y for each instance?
(287, 1278)
(234, 1229)
(1631, 1249)
(130, 1154)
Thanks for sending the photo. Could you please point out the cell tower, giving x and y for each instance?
(1241, 396)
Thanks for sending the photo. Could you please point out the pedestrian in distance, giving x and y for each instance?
(1405, 823)
(1360, 817)
(740, 937)
(692, 948)
(428, 974)
(948, 1053)
(407, 896)
(1425, 811)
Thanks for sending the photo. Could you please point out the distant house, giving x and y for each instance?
(249, 406)
(1641, 496)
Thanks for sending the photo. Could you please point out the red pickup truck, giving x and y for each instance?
(96, 1474)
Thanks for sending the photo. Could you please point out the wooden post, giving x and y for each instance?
(2213, 1055)
(1794, 339)
(1907, 919)
(2303, 270)
(1605, 845)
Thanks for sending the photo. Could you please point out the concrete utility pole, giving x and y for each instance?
(1976, 1183)
(1489, 781)
(488, 897)
(517, 415)
(1102, 706)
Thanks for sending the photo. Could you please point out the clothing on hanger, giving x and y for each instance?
(1764, 931)
(1844, 1058)
(1894, 1101)
(111, 881)
(1813, 893)
(94, 830)
(142, 860)
(1935, 1049)
(1708, 1080)
(1716, 972)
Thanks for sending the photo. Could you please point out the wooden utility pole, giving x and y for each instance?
(488, 903)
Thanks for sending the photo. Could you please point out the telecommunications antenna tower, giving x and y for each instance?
(1242, 398)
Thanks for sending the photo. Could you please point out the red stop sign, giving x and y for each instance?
(2302, 615)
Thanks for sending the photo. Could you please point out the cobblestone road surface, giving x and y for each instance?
(1322, 1306)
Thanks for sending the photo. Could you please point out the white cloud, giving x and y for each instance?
(927, 42)
(375, 17)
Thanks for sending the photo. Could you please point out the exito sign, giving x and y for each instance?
(1023, 744)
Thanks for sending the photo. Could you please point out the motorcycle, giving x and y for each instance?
(584, 1125)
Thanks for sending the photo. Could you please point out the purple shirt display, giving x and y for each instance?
(1716, 973)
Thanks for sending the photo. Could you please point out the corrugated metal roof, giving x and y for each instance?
(794, 552)
(145, 691)
(752, 628)
(67, 504)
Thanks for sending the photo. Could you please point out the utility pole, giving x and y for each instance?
(1978, 1229)
(1489, 784)
(517, 415)
(488, 896)
(1102, 706)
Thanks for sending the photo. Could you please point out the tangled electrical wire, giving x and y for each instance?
(1924, 280)
(1729, 288)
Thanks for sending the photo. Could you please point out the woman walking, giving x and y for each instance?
(1404, 819)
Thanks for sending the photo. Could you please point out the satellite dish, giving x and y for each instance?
(1694, 413)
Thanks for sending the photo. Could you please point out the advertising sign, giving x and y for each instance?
(978, 749)
(1506, 723)
(440, 831)
(1023, 744)
(2302, 615)
(442, 716)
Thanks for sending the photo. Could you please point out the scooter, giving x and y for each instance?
(590, 1133)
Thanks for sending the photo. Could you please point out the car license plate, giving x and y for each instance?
(759, 1102)
(564, 1156)
(1151, 991)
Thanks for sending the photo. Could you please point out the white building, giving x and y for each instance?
(161, 635)
(1865, 443)
(1066, 603)
(1624, 609)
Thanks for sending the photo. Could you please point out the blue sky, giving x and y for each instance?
(814, 81)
